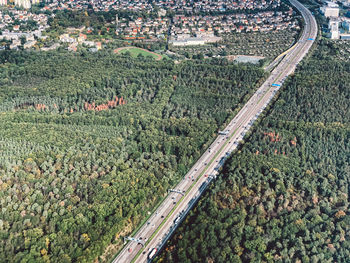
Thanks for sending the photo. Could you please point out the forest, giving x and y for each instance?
(90, 142)
(284, 195)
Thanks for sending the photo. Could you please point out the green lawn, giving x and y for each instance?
(134, 51)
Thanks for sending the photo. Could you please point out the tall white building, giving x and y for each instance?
(330, 10)
(21, 3)
(332, 23)
(334, 34)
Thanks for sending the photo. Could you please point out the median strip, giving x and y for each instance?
(205, 169)
(188, 190)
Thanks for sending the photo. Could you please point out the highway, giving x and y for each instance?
(153, 234)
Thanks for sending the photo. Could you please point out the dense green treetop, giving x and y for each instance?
(284, 196)
(90, 142)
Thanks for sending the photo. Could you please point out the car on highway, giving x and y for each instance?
(177, 220)
(281, 71)
(152, 253)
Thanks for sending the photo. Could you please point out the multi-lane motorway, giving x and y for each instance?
(152, 235)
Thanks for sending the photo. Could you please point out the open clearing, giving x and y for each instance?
(135, 51)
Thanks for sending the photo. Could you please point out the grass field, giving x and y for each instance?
(135, 51)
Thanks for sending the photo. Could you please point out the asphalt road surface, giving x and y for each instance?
(168, 215)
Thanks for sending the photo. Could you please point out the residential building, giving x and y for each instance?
(346, 25)
(192, 41)
(29, 44)
(345, 36)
